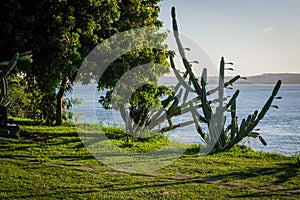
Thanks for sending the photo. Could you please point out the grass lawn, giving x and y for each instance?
(52, 163)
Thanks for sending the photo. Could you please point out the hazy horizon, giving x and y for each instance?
(262, 74)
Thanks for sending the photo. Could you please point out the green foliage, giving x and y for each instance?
(68, 104)
(6, 69)
(137, 145)
(60, 35)
(145, 98)
(12, 86)
(8, 128)
(142, 86)
(21, 99)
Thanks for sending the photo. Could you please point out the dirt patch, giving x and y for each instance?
(141, 176)
(75, 164)
(230, 186)
(182, 177)
(35, 139)
(210, 180)
(177, 178)
(114, 172)
(292, 193)
(156, 174)
(93, 168)
(267, 187)
(259, 190)
(170, 193)
(167, 180)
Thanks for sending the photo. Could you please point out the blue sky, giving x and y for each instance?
(259, 36)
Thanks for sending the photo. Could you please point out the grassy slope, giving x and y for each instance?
(51, 162)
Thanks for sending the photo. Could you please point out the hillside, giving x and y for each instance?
(272, 78)
(267, 78)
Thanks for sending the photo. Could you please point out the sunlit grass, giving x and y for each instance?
(53, 163)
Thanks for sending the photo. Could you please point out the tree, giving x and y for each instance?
(60, 34)
(136, 15)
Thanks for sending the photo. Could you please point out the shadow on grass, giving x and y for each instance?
(41, 136)
(62, 193)
(73, 157)
(279, 192)
(27, 122)
(27, 143)
(283, 173)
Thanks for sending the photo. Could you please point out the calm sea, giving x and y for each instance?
(280, 128)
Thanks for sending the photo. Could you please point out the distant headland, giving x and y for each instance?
(271, 78)
(267, 78)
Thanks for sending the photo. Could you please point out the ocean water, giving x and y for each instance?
(280, 127)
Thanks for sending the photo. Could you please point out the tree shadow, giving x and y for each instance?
(283, 173)
(279, 192)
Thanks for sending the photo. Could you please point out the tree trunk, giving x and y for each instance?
(59, 105)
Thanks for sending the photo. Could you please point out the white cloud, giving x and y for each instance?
(268, 29)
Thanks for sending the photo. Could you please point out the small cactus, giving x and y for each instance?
(5, 129)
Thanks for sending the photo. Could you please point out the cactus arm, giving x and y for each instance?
(262, 140)
(178, 76)
(12, 64)
(205, 105)
(266, 107)
(204, 77)
(230, 82)
(269, 102)
(233, 99)
(3, 87)
(182, 81)
(196, 115)
(185, 97)
(173, 106)
(221, 82)
(169, 128)
(182, 54)
(248, 125)
(234, 125)
(176, 33)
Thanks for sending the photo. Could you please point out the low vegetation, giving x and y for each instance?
(52, 163)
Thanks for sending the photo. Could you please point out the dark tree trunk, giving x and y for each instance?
(59, 105)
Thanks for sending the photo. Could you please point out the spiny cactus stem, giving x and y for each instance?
(221, 82)
(234, 127)
(269, 102)
(182, 54)
(230, 82)
(12, 64)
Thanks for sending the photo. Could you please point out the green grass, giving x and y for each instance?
(52, 163)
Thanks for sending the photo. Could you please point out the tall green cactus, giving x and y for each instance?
(215, 120)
